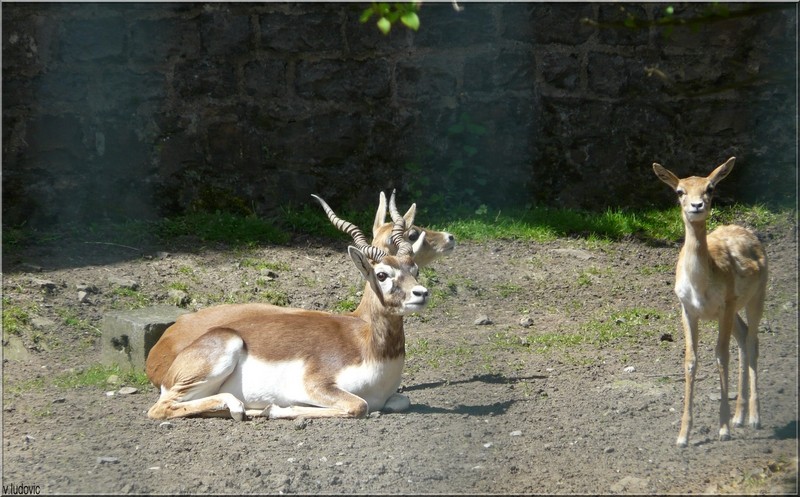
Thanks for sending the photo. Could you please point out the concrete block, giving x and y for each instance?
(128, 336)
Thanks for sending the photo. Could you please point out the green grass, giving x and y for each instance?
(15, 318)
(129, 299)
(226, 227)
(546, 224)
(97, 376)
(262, 265)
(628, 325)
(534, 223)
(348, 303)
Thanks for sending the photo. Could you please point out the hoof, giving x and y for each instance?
(682, 444)
(724, 437)
(396, 403)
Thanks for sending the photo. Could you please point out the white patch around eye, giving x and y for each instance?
(388, 283)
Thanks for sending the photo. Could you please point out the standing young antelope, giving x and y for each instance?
(716, 276)
(264, 360)
(435, 244)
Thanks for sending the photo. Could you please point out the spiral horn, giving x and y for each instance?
(351, 229)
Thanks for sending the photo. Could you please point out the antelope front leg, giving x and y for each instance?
(333, 402)
(723, 354)
(690, 371)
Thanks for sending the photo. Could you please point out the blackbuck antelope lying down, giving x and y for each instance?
(263, 360)
(716, 276)
(436, 243)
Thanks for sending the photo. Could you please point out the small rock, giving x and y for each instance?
(667, 337)
(526, 322)
(44, 284)
(59, 400)
(86, 287)
(110, 393)
(41, 323)
(483, 320)
(112, 380)
(29, 439)
(629, 369)
(269, 274)
(488, 444)
(83, 297)
(375, 414)
(516, 433)
(300, 423)
(577, 254)
(608, 450)
(123, 282)
(166, 425)
(107, 460)
(127, 391)
(178, 297)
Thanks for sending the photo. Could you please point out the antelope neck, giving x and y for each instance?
(386, 336)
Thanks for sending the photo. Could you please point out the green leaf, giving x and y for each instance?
(366, 15)
(384, 25)
(411, 20)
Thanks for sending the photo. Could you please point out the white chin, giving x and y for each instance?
(413, 307)
(697, 216)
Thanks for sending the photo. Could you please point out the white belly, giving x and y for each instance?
(260, 384)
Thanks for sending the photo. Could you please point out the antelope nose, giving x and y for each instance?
(697, 205)
(420, 291)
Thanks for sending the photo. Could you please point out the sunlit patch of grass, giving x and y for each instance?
(129, 298)
(265, 265)
(274, 297)
(15, 318)
(349, 303)
(74, 321)
(628, 324)
(508, 289)
(34, 384)
(421, 354)
(97, 376)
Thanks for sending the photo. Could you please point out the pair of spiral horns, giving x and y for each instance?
(398, 229)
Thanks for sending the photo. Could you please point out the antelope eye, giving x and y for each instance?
(413, 235)
(680, 193)
(382, 276)
(709, 190)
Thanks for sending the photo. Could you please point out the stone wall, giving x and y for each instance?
(131, 111)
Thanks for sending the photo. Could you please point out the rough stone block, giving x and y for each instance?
(128, 336)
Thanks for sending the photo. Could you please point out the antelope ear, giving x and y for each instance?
(418, 244)
(364, 266)
(409, 215)
(721, 171)
(380, 215)
(666, 175)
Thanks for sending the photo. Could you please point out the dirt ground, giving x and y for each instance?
(574, 387)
